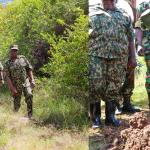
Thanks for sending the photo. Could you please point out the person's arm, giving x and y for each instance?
(139, 37)
(7, 76)
(11, 87)
(131, 47)
(30, 73)
(132, 57)
(31, 78)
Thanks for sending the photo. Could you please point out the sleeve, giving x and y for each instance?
(7, 70)
(92, 34)
(139, 11)
(130, 31)
(91, 25)
(141, 8)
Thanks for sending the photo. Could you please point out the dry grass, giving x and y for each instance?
(19, 133)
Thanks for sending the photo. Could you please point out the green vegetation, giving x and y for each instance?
(139, 94)
(53, 35)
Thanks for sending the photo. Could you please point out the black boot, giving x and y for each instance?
(95, 114)
(128, 107)
(17, 103)
(29, 107)
(110, 108)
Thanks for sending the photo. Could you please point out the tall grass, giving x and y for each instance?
(61, 111)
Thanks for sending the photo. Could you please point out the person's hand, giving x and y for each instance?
(1, 82)
(32, 84)
(14, 92)
(140, 50)
(132, 63)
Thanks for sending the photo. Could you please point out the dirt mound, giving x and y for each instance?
(137, 136)
(138, 121)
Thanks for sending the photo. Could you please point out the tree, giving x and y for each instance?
(69, 64)
(26, 21)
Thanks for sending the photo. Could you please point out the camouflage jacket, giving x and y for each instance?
(17, 70)
(146, 33)
(110, 33)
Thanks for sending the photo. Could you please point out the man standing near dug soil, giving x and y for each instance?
(127, 90)
(20, 79)
(111, 50)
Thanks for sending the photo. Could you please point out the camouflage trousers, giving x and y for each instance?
(27, 91)
(128, 85)
(105, 78)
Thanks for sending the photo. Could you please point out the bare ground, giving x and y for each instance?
(110, 138)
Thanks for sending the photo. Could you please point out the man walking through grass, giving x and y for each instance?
(20, 79)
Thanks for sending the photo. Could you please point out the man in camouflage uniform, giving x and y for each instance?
(128, 86)
(1, 74)
(111, 43)
(143, 40)
(20, 79)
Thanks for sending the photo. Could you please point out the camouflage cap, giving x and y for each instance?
(145, 17)
(144, 21)
(14, 47)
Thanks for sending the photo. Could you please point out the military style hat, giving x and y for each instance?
(145, 17)
(14, 47)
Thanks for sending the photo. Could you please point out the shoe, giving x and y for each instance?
(95, 114)
(96, 122)
(29, 107)
(30, 115)
(118, 111)
(110, 109)
(128, 107)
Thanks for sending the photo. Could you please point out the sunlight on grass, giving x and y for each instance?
(139, 94)
(18, 133)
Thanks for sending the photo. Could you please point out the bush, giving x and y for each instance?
(68, 68)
